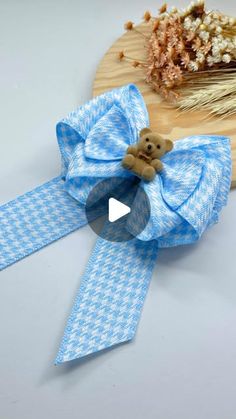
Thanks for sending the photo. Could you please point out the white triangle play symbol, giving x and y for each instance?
(116, 209)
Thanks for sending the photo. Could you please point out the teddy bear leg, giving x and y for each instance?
(128, 161)
(148, 173)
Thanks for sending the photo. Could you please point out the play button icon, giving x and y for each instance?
(111, 212)
(116, 209)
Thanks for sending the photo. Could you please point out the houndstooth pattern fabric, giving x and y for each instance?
(94, 138)
(108, 123)
(108, 306)
(36, 219)
(47, 213)
(185, 199)
(188, 195)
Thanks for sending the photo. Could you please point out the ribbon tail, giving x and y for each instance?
(110, 299)
(36, 219)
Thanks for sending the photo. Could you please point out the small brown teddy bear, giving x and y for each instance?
(144, 158)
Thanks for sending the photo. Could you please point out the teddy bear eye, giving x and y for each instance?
(147, 139)
(158, 146)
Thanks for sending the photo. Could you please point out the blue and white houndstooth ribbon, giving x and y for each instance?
(185, 199)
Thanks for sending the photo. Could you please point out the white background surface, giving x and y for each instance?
(182, 363)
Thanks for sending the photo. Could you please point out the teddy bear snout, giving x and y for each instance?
(149, 147)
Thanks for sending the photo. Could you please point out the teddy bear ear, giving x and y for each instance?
(144, 131)
(169, 145)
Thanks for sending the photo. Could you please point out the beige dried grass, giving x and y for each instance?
(191, 58)
(214, 92)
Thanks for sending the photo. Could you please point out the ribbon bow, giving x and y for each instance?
(185, 199)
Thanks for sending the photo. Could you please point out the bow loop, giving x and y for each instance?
(189, 193)
(180, 176)
(122, 110)
(109, 137)
(94, 139)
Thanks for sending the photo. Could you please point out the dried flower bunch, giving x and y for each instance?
(188, 47)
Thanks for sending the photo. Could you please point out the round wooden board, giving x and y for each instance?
(168, 121)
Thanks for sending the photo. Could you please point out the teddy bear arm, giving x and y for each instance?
(157, 165)
(132, 150)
